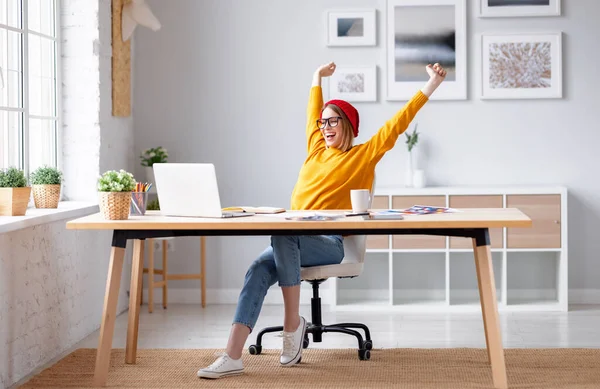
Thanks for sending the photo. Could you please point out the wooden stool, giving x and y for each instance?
(152, 283)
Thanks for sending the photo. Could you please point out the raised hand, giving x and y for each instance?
(436, 75)
(326, 70)
(436, 72)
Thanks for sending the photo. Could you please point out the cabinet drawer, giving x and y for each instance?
(418, 241)
(379, 241)
(476, 201)
(544, 211)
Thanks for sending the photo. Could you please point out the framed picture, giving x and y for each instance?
(353, 84)
(422, 32)
(521, 66)
(351, 28)
(517, 8)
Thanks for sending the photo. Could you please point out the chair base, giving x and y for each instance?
(317, 329)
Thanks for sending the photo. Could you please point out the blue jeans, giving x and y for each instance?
(281, 263)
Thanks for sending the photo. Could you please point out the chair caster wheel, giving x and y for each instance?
(364, 355)
(305, 342)
(368, 345)
(254, 349)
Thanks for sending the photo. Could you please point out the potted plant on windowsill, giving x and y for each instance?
(45, 182)
(14, 192)
(150, 157)
(114, 192)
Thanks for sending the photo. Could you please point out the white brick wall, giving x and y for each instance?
(81, 98)
(52, 280)
(93, 140)
(52, 284)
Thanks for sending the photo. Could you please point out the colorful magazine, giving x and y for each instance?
(427, 209)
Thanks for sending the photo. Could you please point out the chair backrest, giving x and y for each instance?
(356, 245)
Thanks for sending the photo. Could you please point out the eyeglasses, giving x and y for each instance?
(333, 121)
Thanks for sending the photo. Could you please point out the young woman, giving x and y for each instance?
(332, 168)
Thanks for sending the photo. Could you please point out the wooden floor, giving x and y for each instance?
(191, 326)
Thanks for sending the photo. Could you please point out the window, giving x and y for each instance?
(29, 122)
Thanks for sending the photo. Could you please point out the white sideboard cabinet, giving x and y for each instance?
(433, 273)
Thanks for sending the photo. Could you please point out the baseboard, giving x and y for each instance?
(584, 296)
(230, 296)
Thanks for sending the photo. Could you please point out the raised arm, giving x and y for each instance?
(385, 139)
(314, 137)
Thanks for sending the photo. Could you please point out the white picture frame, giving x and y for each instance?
(522, 8)
(351, 27)
(353, 84)
(421, 32)
(535, 71)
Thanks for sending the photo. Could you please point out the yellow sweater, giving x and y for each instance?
(328, 174)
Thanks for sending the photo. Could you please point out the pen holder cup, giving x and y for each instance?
(139, 202)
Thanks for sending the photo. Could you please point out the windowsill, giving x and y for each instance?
(34, 216)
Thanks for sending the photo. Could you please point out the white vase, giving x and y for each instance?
(415, 158)
(408, 174)
(419, 178)
(150, 175)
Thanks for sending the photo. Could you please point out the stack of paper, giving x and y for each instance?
(389, 214)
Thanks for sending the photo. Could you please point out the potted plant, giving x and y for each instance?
(411, 142)
(153, 205)
(114, 192)
(45, 182)
(14, 192)
(151, 156)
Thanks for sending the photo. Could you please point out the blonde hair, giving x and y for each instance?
(347, 132)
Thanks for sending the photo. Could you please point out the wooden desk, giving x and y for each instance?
(471, 223)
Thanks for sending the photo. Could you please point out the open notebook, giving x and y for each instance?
(257, 210)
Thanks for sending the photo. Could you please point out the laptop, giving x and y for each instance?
(189, 189)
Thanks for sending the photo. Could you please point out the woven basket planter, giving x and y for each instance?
(13, 201)
(46, 196)
(115, 205)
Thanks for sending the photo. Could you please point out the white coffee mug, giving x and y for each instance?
(360, 199)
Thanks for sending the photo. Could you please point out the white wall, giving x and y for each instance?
(116, 150)
(227, 82)
(52, 280)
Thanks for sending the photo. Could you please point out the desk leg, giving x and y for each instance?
(164, 274)
(151, 276)
(489, 308)
(203, 270)
(137, 270)
(107, 327)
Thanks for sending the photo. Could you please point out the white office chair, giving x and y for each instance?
(351, 266)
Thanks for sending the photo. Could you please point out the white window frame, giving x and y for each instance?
(24, 135)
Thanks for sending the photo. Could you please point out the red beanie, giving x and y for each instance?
(350, 112)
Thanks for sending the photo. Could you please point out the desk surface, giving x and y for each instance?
(153, 220)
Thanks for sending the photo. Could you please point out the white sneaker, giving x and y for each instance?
(224, 366)
(292, 345)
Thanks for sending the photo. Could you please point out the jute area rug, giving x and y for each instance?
(326, 368)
